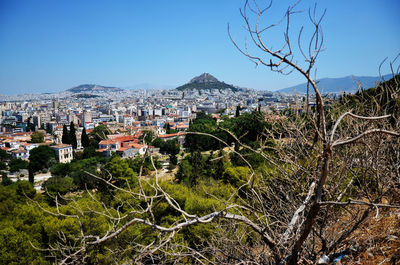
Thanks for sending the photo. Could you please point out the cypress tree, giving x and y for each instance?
(29, 125)
(65, 136)
(167, 128)
(85, 138)
(237, 114)
(72, 135)
(31, 177)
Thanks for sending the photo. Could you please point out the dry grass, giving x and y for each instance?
(379, 239)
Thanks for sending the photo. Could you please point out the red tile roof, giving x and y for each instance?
(21, 133)
(59, 146)
(170, 135)
(123, 149)
(19, 151)
(125, 138)
(107, 142)
(136, 146)
(100, 150)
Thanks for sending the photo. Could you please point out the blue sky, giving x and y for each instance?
(49, 46)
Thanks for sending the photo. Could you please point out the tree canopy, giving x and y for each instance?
(41, 157)
(17, 164)
(37, 137)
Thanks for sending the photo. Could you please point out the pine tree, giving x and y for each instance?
(85, 138)
(72, 135)
(65, 136)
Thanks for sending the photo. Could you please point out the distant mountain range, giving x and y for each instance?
(346, 84)
(87, 88)
(206, 81)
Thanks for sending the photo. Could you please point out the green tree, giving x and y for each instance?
(158, 142)
(167, 127)
(15, 247)
(191, 169)
(40, 158)
(25, 188)
(29, 125)
(4, 155)
(37, 137)
(120, 171)
(77, 171)
(203, 123)
(58, 185)
(171, 147)
(137, 162)
(185, 172)
(5, 180)
(148, 136)
(72, 135)
(100, 132)
(85, 138)
(173, 161)
(65, 136)
(60, 169)
(3, 165)
(31, 176)
(250, 126)
(236, 175)
(89, 152)
(17, 164)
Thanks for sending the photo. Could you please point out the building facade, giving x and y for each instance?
(64, 152)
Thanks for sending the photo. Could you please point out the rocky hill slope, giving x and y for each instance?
(206, 81)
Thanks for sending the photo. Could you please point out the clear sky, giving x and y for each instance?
(53, 45)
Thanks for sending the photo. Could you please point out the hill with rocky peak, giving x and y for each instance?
(92, 88)
(206, 81)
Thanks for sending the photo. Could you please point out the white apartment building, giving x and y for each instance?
(64, 152)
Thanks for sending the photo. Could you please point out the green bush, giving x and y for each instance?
(17, 164)
(59, 185)
(236, 175)
(25, 188)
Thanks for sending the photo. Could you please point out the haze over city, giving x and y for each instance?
(199, 132)
(51, 46)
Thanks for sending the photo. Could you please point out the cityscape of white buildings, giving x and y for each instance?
(125, 113)
(128, 110)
